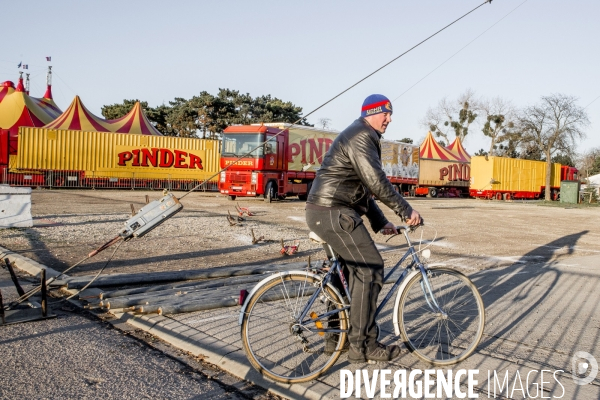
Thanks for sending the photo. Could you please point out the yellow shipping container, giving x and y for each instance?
(101, 154)
(501, 174)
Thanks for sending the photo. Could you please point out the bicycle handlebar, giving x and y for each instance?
(411, 228)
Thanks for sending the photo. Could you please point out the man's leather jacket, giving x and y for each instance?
(351, 171)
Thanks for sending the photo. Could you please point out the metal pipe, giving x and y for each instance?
(144, 278)
(120, 302)
(2, 309)
(183, 286)
(44, 294)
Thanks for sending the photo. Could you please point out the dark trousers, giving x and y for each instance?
(345, 231)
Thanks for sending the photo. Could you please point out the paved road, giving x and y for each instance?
(78, 356)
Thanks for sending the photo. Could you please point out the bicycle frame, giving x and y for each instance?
(335, 268)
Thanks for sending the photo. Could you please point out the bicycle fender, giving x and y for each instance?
(277, 276)
(401, 289)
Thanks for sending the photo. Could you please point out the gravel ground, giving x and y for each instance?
(78, 356)
(482, 234)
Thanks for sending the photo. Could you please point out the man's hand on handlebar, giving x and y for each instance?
(414, 221)
(415, 218)
(389, 229)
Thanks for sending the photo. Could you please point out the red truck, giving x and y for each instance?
(286, 165)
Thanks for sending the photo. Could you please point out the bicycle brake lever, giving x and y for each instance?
(388, 239)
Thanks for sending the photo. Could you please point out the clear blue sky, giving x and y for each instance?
(308, 51)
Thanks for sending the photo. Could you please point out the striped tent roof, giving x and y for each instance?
(430, 149)
(77, 117)
(48, 103)
(135, 121)
(19, 109)
(5, 89)
(459, 151)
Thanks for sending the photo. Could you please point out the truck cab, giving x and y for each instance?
(254, 162)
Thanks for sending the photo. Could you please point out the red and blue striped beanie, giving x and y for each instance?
(375, 104)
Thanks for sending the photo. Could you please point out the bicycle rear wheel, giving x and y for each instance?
(280, 346)
(447, 337)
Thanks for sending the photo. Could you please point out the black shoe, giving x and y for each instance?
(331, 344)
(382, 353)
(356, 356)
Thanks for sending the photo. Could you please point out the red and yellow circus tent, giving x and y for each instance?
(432, 150)
(17, 109)
(459, 151)
(135, 121)
(47, 102)
(78, 117)
(6, 88)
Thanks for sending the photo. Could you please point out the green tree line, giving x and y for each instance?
(205, 115)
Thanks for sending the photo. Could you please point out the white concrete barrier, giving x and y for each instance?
(15, 207)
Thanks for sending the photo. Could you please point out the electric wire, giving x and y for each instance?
(592, 102)
(36, 289)
(461, 49)
(98, 274)
(338, 95)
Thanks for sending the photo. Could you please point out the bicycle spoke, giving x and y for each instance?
(277, 343)
(447, 335)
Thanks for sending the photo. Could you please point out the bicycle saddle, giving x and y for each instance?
(315, 238)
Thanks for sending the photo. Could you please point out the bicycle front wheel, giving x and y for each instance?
(282, 347)
(443, 325)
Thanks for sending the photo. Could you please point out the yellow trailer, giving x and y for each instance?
(513, 178)
(78, 158)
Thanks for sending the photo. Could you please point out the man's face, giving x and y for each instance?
(380, 121)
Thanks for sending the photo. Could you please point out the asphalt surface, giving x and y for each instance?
(537, 269)
(79, 356)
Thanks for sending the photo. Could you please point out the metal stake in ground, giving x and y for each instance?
(2, 309)
(13, 276)
(44, 294)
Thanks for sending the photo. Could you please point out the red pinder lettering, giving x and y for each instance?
(161, 158)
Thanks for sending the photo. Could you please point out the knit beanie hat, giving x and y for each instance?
(375, 104)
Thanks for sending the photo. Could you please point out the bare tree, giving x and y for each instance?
(555, 124)
(500, 118)
(325, 123)
(452, 116)
(588, 163)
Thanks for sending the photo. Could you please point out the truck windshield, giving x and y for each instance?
(240, 144)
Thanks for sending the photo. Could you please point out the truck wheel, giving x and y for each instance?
(432, 192)
(506, 197)
(231, 197)
(498, 196)
(270, 192)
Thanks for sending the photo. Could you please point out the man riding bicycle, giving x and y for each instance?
(350, 174)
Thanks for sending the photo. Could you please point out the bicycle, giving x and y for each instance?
(287, 317)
